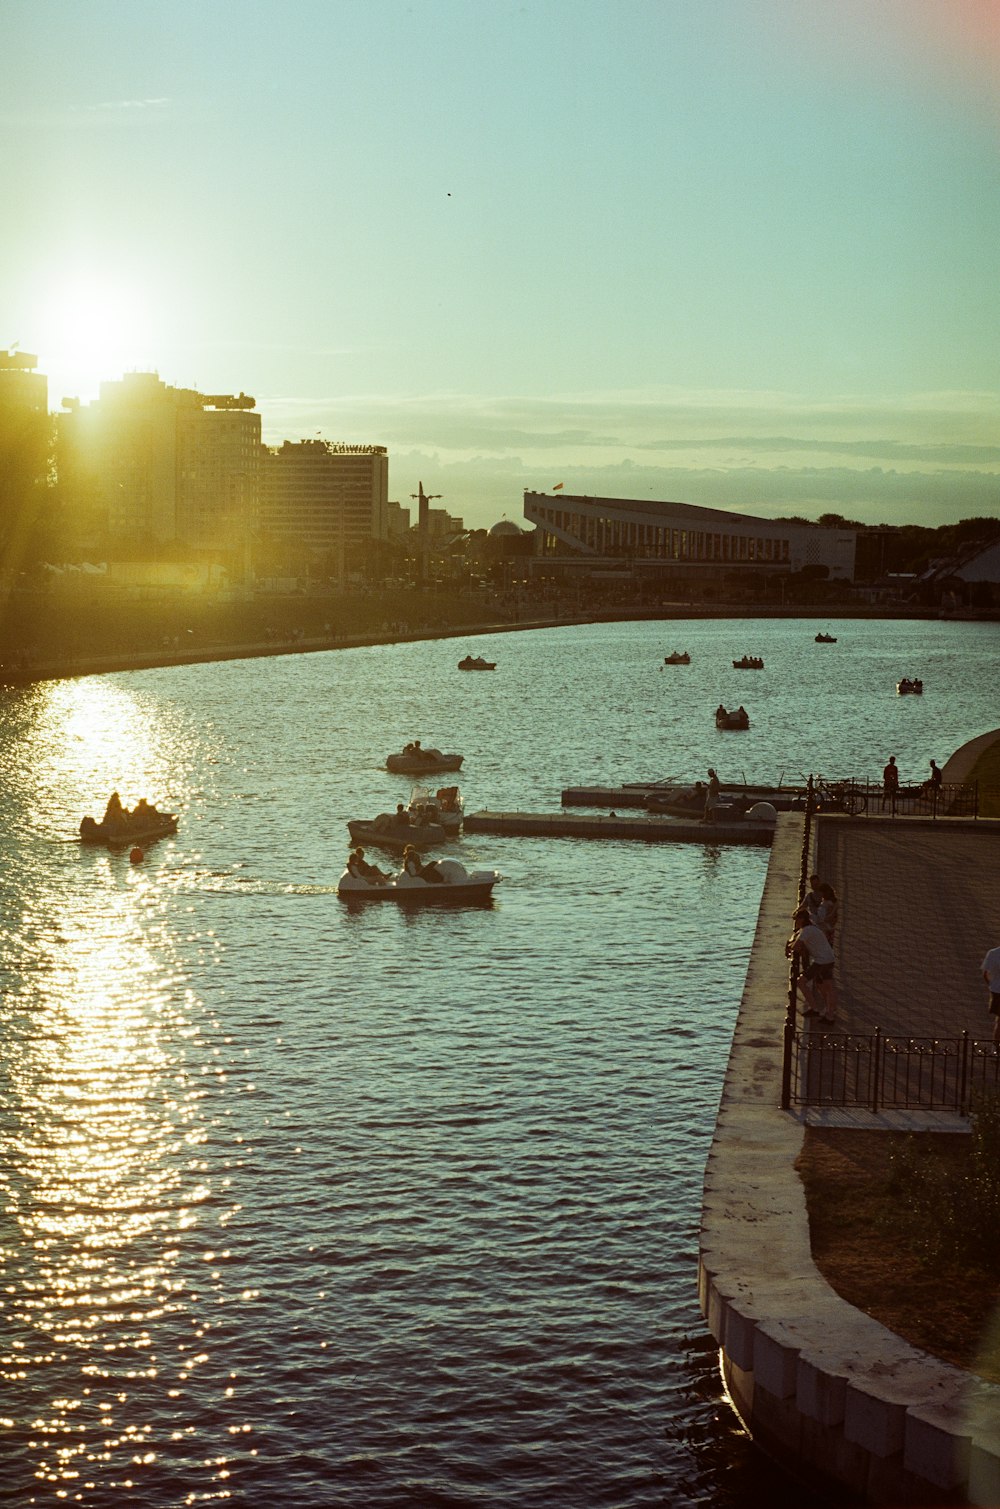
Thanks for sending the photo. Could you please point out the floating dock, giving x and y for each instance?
(650, 828)
(635, 794)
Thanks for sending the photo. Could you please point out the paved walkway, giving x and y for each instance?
(919, 907)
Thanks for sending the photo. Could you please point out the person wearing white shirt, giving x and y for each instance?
(991, 974)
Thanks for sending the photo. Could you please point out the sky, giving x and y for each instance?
(738, 253)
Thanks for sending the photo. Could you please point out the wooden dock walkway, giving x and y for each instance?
(649, 828)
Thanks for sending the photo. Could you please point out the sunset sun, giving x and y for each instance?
(97, 328)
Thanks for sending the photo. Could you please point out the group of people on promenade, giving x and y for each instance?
(890, 782)
(814, 924)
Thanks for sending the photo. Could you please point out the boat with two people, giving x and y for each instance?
(737, 718)
(476, 663)
(677, 657)
(144, 823)
(413, 759)
(448, 882)
(749, 663)
(825, 639)
(906, 688)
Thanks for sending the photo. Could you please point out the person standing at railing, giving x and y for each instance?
(890, 783)
(816, 958)
(991, 974)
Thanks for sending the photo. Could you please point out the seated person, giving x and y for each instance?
(115, 813)
(358, 866)
(144, 811)
(413, 865)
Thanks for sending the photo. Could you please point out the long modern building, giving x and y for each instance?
(164, 464)
(324, 495)
(680, 540)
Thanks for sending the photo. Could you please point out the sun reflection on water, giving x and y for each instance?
(103, 1176)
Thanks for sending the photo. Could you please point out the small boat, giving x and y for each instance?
(476, 663)
(749, 663)
(739, 718)
(130, 831)
(412, 760)
(677, 657)
(388, 832)
(443, 807)
(459, 885)
(825, 639)
(906, 687)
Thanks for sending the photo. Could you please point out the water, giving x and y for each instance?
(310, 1205)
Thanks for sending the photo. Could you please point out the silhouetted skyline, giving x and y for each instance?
(738, 255)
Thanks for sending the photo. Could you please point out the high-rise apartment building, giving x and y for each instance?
(325, 496)
(165, 464)
(24, 434)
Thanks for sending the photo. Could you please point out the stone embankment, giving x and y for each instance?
(833, 1395)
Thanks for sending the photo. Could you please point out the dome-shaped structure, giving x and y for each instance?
(504, 527)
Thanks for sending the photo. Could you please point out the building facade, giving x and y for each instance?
(681, 540)
(162, 464)
(325, 496)
(24, 436)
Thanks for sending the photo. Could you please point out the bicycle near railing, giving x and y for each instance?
(838, 796)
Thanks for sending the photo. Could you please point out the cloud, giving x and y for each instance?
(921, 458)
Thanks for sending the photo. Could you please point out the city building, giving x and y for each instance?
(324, 496)
(24, 448)
(159, 464)
(680, 543)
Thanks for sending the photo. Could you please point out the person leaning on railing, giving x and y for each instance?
(816, 955)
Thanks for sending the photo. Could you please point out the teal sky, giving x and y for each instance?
(741, 253)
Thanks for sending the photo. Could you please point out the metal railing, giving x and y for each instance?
(876, 1072)
(870, 799)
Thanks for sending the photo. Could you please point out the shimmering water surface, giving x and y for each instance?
(308, 1205)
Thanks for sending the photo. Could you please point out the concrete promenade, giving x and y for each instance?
(828, 1391)
(919, 907)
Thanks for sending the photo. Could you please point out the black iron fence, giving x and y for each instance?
(880, 1073)
(871, 799)
(874, 1071)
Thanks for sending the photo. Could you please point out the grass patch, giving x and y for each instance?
(867, 1194)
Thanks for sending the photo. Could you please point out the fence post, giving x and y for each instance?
(877, 1068)
(963, 1077)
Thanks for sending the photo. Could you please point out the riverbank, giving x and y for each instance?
(122, 634)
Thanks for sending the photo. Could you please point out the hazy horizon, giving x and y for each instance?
(740, 255)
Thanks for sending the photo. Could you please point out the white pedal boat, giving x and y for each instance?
(459, 884)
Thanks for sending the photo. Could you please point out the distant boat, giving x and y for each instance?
(476, 663)
(739, 718)
(677, 657)
(907, 687)
(749, 663)
(826, 639)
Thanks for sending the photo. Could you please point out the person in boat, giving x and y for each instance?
(413, 865)
(145, 812)
(358, 866)
(115, 815)
(720, 711)
(401, 818)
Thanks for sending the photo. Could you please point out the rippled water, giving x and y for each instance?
(305, 1205)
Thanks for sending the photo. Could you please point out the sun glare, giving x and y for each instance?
(94, 329)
